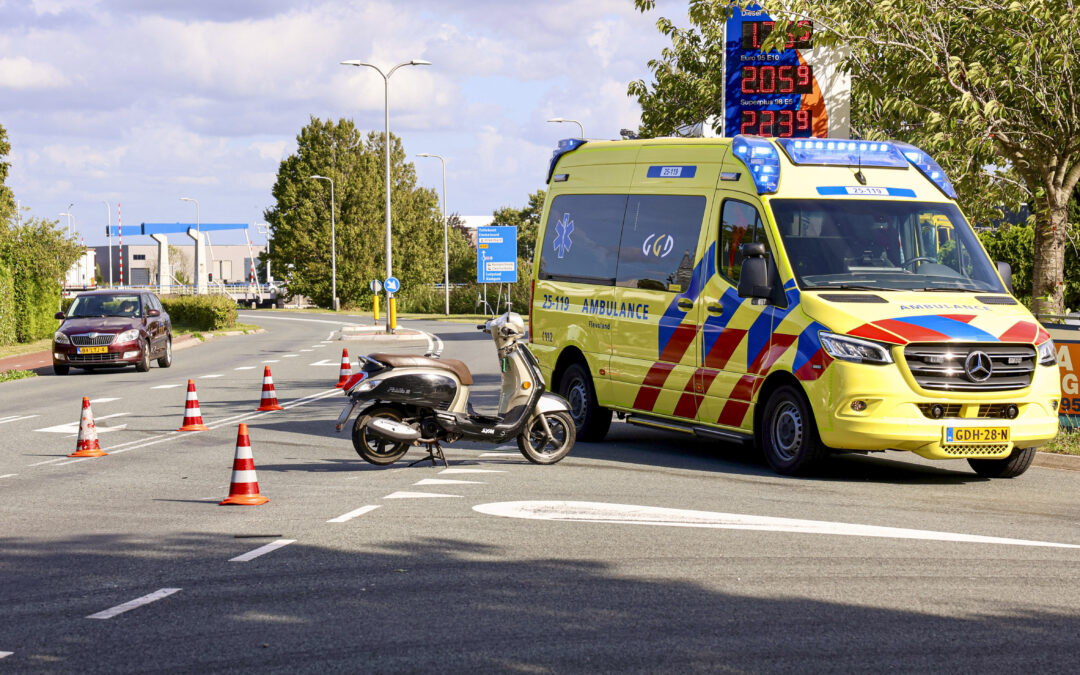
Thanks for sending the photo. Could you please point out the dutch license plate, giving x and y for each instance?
(93, 350)
(958, 435)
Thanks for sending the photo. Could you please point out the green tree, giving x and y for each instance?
(300, 218)
(37, 254)
(7, 199)
(462, 254)
(986, 88)
(527, 221)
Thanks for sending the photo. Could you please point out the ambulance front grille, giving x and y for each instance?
(941, 366)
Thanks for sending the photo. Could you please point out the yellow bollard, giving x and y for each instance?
(393, 312)
(376, 308)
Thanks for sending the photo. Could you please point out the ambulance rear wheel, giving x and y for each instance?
(1009, 467)
(591, 421)
(789, 434)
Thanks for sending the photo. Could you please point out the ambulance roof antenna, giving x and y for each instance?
(859, 174)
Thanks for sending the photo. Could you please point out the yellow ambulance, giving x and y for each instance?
(791, 293)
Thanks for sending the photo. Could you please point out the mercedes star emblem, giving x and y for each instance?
(978, 366)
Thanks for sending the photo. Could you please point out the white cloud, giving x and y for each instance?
(21, 73)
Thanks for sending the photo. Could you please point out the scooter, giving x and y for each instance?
(424, 401)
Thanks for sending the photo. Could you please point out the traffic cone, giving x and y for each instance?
(346, 369)
(87, 445)
(244, 488)
(269, 395)
(192, 414)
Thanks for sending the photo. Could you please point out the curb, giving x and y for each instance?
(1052, 460)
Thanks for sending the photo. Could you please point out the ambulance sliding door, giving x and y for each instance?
(655, 356)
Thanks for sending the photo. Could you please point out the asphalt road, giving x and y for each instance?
(648, 552)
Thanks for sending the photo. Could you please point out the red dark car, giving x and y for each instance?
(110, 328)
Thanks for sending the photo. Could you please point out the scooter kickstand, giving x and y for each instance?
(434, 451)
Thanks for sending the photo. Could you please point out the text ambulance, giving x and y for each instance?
(795, 293)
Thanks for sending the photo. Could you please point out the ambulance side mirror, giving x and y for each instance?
(1004, 270)
(754, 273)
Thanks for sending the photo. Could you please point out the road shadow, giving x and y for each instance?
(439, 604)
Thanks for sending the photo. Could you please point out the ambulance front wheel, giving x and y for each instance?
(789, 434)
(1010, 467)
(590, 420)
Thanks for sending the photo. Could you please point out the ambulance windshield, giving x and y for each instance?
(882, 245)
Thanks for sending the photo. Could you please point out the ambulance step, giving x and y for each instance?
(726, 435)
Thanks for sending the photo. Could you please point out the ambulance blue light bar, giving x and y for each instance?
(833, 152)
(761, 157)
(565, 145)
(928, 167)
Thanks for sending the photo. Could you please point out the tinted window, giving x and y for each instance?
(581, 242)
(739, 224)
(659, 238)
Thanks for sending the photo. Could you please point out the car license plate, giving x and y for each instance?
(93, 350)
(958, 435)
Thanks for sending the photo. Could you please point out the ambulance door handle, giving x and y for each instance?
(715, 309)
(686, 304)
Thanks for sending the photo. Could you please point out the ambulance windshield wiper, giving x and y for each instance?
(852, 287)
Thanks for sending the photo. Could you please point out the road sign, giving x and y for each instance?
(796, 93)
(392, 285)
(375, 286)
(496, 255)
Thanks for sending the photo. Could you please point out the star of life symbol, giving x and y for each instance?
(562, 242)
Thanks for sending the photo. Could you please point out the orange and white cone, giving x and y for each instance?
(269, 395)
(244, 488)
(192, 413)
(346, 369)
(87, 445)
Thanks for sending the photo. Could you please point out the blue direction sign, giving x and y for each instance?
(392, 285)
(375, 286)
(496, 255)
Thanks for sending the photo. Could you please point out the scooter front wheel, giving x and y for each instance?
(540, 448)
(375, 448)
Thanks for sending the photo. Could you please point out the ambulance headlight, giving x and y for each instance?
(847, 348)
(1047, 353)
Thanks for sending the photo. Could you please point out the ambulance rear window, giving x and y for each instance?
(581, 242)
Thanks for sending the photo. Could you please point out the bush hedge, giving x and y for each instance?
(36, 301)
(201, 312)
(7, 308)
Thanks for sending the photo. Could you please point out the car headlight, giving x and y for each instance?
(367, 385)
(128, 336)
(847, 348)
(1047, 353)
(61, 339)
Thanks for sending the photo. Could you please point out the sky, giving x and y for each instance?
(137, 103)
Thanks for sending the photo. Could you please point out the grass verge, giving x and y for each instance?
(9, 375)
(26, 348)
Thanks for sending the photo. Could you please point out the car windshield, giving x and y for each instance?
(105, 305)
(882, 246)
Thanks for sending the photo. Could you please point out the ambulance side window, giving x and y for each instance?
(659, 242)
(581, 241)
(739, 224)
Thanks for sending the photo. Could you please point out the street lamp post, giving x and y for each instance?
(563, 119)
(108, 231)
(446, 226)
(264, 228)
(198, 245)
(333, 244)
(391, 307)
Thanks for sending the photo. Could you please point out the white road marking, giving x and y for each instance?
(262, 550)
(103, 400)
(73, 427)
(289, 356)
(447, 481)
(9, 475)
(48, 461)
(272, 361)
(324, 362)
(306, 350)
(245, 368)
(5, 654)
(15, 418)
(471, 471)
(500, 454)
(630, 514)
(318, 346)
(137, 602)
(210, 377)
(167, 386)
(351, 514)
(289, 318)
(416, 495)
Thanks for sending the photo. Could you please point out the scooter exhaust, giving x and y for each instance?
(394, 430)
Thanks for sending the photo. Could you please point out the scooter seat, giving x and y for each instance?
(412, 361)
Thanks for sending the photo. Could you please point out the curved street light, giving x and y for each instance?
(568, 121)
(386, 147)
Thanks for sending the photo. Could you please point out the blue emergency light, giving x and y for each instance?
(565, 145)
(833, 152)
(927, 167)
(761, 157)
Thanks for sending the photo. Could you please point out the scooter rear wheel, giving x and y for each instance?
(538, 448)
(374, 448)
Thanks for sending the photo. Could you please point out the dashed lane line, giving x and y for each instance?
(5, 654)
(417, 495)
(262, 550)
(209, 377)
(103, 400)
(289, 356)
(15, 418)
(447, 481)
(48, 461)
(245, 368)
(500, 454)
(73, 427)
(272, 361)
(167, 386)
(9, 475)
(354, 513)
(471, 471)
(132, 604)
